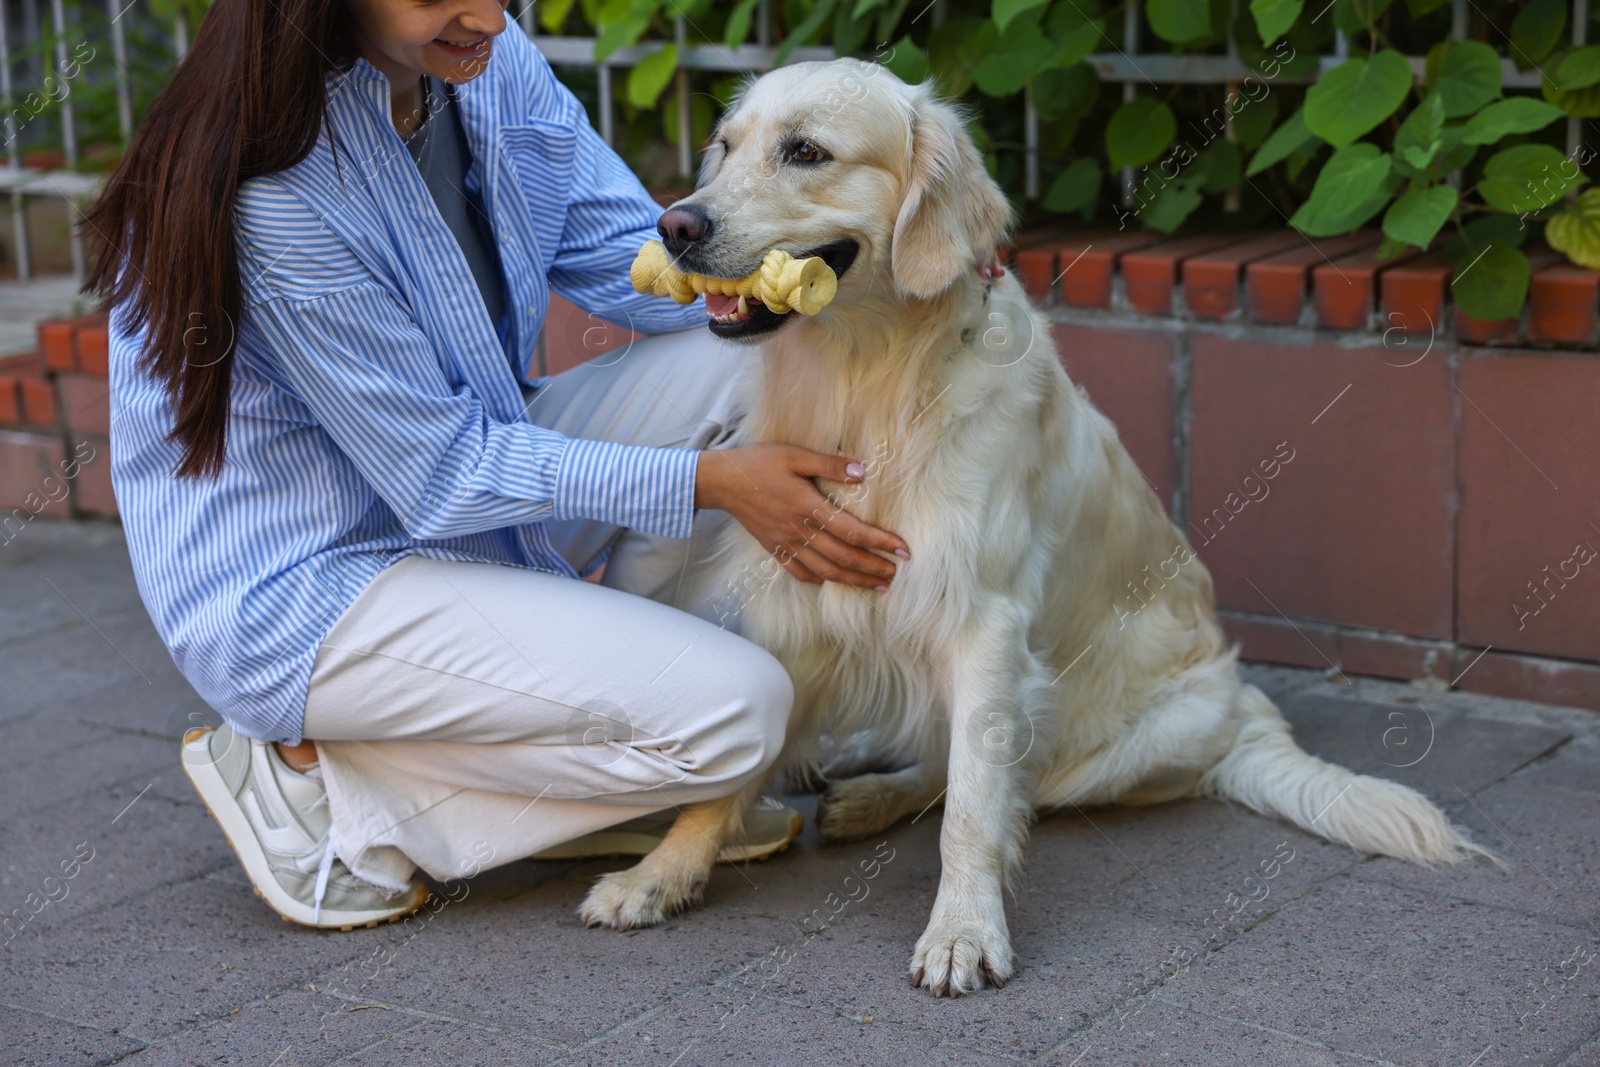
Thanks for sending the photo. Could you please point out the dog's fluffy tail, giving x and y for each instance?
(1267, 771)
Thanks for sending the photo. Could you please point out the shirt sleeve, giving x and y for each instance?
(609, 216)
(433, 452)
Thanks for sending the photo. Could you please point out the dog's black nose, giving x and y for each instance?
(681, 226)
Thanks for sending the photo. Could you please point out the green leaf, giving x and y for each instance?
(1422, 7)
(1218, 166)
(804, 32)
(1179, 20)
(1254, 120)
(865, 6)
(1481, 232)
(1579, 69)
(957, 47)
(1068, 93)
(1353, 185)
(1139, 132)
(1286, 139)
(1418, 141)
(906, 61)
(1073, 43)
(651, 75)
(1576, 231)
(1274, 17)
(1006, 10)
(738, 27)
(553, 14)
(1076, 187)
(1416, 217)
(1174, 203)
(617, 35)
(1021, 52)
(1352, 16)
(849, 33)
(1535, 31)
(1579, 103)
(1354, 97)
(1527, 177)
(1493, 286)
(1465, 74)
(1520, 114)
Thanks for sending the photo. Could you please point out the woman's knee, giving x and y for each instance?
(758, 696)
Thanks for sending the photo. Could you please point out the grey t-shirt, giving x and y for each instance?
(442, 154)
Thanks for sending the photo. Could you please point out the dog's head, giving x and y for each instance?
(845, 161)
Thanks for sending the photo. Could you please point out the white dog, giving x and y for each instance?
(998, 671)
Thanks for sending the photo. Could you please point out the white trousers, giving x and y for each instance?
(468, 714)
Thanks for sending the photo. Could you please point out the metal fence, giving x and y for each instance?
(38, 61)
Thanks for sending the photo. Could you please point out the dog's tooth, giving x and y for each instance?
(744, 308)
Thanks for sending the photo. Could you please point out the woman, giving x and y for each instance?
(355, 520)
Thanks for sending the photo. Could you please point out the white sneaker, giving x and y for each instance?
(278, 823)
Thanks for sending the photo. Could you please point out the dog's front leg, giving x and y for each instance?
(674, 875)
(996, 694)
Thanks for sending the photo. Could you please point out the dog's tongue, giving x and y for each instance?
(718, 304)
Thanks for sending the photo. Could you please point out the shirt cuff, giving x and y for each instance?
(642, 488)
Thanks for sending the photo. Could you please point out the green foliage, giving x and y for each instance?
(1494, 285)
(1353, 187)
(1352, 98)
(1576, 231)
(1139, 132)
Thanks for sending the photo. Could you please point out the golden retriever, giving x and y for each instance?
(999, 672)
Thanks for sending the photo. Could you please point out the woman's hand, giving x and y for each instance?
(768, 489)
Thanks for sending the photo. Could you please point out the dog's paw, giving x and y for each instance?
(954, 957)
(626, 900)
(855, 808)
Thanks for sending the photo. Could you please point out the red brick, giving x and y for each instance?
(1150, 274)
(572, 337)
(1211, 279)
(1530, 494)
(85, 402)
(1032, 256)
(23, 364)
(1413, 296)
(1343, 290)
(38, 402)
(94, 343)
(1473, 331)
(1128, 375)
(56, 346)
(1561, 305)
(1277, 285)
(1086, 266)
(91, 485)
(1308, 644)
(10, 400)
(31, 481)
(1548, 681)
(1358, 528)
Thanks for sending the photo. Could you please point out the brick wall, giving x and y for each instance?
(1379, 485)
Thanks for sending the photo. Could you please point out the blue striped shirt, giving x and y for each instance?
(374, 412)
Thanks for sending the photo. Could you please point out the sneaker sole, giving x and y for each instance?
(619, 843)
(225, 810)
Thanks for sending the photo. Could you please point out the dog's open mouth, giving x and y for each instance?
(735, 317)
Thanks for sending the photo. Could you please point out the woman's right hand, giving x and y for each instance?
(768, 488)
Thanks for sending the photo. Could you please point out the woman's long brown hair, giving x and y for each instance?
(249, 99)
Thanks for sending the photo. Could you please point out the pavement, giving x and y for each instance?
(155, 952)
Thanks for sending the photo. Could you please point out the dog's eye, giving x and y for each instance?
(807, 153)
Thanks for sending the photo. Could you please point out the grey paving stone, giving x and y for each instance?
(1152, 1031)
(34, 1040)
(429, 1044)
(1546, 832)
(1399, 975)
(1575, 765)
(135, 849)
(1429, 745)
(81, 659)
(52, 566)
(170, 959)
(528, 964)
(298, 1027)
(67, 757)
(760, 1031)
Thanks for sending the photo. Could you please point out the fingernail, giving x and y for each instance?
(855, 470)
(881, 588)
(902, 553)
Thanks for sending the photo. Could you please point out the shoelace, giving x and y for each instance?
(324, 869)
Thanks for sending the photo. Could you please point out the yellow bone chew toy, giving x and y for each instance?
(783, 283)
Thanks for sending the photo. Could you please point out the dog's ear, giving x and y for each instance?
(952, 212)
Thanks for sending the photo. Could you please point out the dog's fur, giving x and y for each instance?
(997, 672)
